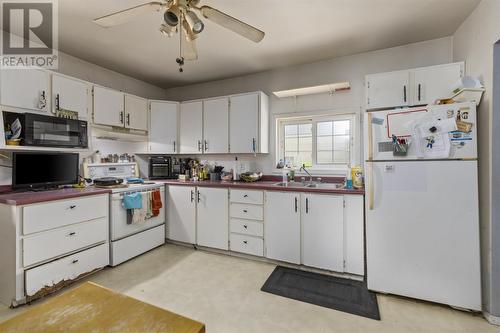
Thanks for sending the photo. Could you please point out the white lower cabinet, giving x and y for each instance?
(212, 218)
(181, 214)
(282, 227)
(322, 231)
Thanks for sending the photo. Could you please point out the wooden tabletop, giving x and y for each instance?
(92, 308)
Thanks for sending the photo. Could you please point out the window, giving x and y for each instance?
(323, 142)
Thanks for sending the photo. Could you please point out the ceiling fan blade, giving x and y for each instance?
(188, 44)
(126, 15)
(232, 23)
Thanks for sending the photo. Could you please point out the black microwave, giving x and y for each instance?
(49, 131)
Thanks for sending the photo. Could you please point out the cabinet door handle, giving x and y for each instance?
(245, 242)
(245, 226)
(121, 117)
(72, 233)
(245, 196)
(199, 145)
(174, 146)
(58, 99)
(192, 195)
(404, 93)
(419, 91)
(307, 205)
(253, 145)
(295, 204)
(72, 207)
(75, 261)
(206, 145)
(128, 119)
(245, 211)
(198, 196)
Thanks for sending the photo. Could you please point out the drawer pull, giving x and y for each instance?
(245, 226)
(245, 211)
(72, 233)
(245, 196)
(72, 207)
(245, 242)
(75, 261)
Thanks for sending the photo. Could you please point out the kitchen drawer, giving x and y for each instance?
(55, 214)
(247, 196)
(247, 227)
(247, 244)
(249, 212)
(65, 269)
(57, 242)
(137, 244)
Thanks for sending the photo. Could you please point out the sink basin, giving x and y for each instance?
(326, 186)
(290, 184)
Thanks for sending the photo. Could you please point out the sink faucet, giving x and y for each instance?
(303, 168)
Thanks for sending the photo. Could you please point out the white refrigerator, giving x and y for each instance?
(422, 218)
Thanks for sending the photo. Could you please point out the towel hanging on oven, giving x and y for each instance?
(132, 200)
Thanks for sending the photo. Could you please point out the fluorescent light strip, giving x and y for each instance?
(330, 88)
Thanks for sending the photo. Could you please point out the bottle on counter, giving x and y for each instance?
(236, 169)
(348, 180)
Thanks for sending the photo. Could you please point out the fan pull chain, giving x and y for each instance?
(180, 60)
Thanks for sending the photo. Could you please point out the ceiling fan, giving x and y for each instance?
(180, 16)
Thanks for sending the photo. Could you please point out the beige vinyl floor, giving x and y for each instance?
(224, 293)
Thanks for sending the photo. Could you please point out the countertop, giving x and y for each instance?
(29, 197)
(259, 185)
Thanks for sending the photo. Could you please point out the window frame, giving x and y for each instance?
(328, 168)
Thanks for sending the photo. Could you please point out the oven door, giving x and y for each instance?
(119, 227)
(52, 131)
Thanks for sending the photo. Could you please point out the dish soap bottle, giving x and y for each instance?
(236, 169)
(348, 180)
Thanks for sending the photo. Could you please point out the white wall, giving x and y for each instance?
(349, 68)
(473, 42)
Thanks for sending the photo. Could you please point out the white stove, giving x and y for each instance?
(129, 240)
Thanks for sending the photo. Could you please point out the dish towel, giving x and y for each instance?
(156, 202)
(132, 201)
(139, 216)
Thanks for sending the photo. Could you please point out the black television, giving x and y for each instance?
(35, 170)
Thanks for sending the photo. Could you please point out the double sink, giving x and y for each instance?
(318, 185)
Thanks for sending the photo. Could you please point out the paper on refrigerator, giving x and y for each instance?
(431, 138)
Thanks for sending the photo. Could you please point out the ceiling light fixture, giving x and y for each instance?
(327, 88)
(194, 22)
(178, 16)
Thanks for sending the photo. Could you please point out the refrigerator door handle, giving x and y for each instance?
(370, 136)
(371, 190)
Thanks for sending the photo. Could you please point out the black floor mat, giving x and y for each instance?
(323, 290)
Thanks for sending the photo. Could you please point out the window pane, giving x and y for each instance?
(291, 130)
(324, 157)
(291, 144)
(325, 128)
(341, 127)
(304, 158)
(341, 142)
(340, 156)
(305, 129)
(305, 144)
(325, 143)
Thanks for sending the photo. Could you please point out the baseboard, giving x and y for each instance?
(494, 320)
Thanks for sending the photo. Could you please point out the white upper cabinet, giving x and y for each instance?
(136, 113)
(163, 118)
(249, 123)
(216, 126)
(191, 127)
(323, 231)
(212, 218)
(282, 226)
(109, 107)
(432, 83)
(70, 94)
(419, 86)
(388, 90)
(25, 88)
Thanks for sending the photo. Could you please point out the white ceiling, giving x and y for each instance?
(297, 31)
